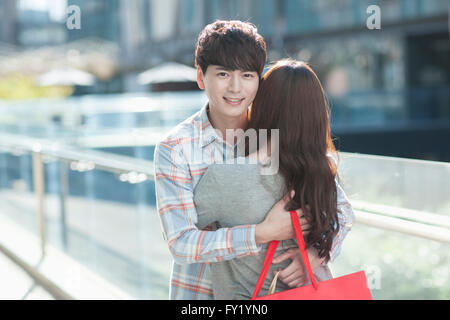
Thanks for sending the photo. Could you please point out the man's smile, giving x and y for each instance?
(233, 101)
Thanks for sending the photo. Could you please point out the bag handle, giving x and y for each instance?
(271, 252)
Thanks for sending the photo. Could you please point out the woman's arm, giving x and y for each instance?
(294, 274)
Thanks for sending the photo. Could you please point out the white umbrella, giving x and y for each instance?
(65, 77)
(168, 72)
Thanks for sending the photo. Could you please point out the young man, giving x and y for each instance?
(230, 58)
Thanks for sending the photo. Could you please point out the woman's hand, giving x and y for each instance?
(295, 275)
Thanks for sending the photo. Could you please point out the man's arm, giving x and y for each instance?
(277, 224)
(175, 204)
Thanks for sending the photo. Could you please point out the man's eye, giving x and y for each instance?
(222, 74)
(248, 75)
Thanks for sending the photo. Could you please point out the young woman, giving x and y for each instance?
(291, 99)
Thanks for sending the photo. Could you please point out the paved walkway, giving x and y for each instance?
(16, 284)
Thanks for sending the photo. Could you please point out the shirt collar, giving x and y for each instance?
(207, 133)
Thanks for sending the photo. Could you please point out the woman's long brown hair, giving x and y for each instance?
(291, 98)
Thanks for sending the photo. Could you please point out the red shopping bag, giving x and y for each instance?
(349, 287)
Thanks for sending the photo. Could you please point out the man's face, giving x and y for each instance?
(229, 92)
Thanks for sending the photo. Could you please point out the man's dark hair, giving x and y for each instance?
(235, 45)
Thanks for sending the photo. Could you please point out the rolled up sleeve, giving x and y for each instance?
(178, 216)
(345, 219)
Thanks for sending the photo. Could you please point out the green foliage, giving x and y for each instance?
(18, 86)
(409, 267)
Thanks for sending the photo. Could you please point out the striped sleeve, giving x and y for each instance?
(175, 205)
(345, 218)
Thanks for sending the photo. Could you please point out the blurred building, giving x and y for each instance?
(99, 19)
(36, 29)
(40, 23)
(8, 18)
(390, 85)
(410, 52)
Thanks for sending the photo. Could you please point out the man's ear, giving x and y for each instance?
(200, 83)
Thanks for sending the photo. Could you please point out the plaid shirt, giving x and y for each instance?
(180, 161)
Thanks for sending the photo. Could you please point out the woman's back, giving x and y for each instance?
(238, 193)
(232, 195)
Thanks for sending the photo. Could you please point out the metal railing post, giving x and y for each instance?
(63, 192)
(39, 188)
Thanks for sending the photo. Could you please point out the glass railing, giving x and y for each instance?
(401, 235)
(404, 183)
(98, 208)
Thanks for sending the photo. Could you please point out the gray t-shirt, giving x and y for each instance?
(232, 195)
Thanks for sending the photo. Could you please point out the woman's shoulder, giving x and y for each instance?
(239, 171)
(237, 167)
